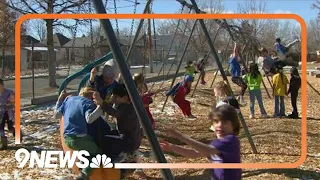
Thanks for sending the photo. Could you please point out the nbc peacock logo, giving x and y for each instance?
(101, 160)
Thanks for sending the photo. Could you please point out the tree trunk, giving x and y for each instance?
(51, 53)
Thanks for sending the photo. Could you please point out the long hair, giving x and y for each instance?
(254, 70)
(294, 72)
(223, 87)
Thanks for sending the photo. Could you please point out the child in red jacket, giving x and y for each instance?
(145, 95)
(179, 93)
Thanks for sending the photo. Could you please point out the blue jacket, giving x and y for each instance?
(235, 67)
(174, 89)
(280, 49)
(74, 110)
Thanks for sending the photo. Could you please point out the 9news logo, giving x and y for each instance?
(47, 159)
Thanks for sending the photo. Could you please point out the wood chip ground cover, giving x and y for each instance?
(277, 140)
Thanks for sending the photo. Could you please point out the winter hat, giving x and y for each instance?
(110, 69)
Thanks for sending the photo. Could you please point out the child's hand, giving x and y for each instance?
(97, 98)
(169, 129)
(165, 146)
(63, 95)
(93, 71)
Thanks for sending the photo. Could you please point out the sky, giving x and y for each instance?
(299, 7)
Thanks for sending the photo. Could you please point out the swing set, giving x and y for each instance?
(123, 65)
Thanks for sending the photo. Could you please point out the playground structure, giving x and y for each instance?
(235, 33)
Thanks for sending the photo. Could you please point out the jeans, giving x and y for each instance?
(279, 111)
(294, 97)
(253, 95)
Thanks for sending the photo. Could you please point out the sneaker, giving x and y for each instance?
(211, 128)
(251, 116)
(191, 117)
(265, 116)
(82, 176)
(293, 116)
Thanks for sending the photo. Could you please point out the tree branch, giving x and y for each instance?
(75, 4)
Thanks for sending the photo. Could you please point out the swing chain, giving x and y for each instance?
(92, 49)
(169, 50)
(117, 25)
(132, 24)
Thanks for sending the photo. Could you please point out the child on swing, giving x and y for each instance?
(222, 94)
(190, 69)
(146, 96)
(282, 51)
(178, 94)
(77, 112)
(126, 139)
(236, 73)
(224, 149)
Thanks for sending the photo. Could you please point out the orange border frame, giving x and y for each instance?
(178, 16)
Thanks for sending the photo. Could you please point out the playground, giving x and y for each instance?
(276, 140)
(225, 77)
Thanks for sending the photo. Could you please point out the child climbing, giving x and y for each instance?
(224, 149)
(236, 73)
(253, 79)
(283, 51)
(268, 64)
(146, 96)
(223, 95)
(178, 94)
(122, 143)
(295, 84)
(6, 113)
(190, 69)
(106, 82)
(279, 82)
(201, 64)
(77, 111)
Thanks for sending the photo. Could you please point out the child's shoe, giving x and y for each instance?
(191, 117)
(265, 116)
(293, 116)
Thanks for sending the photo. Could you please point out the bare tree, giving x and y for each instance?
(313, 36)
(8, 20)
(38, 27)
(49, 7)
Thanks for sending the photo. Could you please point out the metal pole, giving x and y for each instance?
(181, 59)
(150, 44)
(155, 41)
(31, 58)
(137, 33)
(225, 49)
(213, 50)
(132, 90)
(313, 88)
(214, 39)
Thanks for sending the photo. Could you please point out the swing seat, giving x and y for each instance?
(98, 173)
